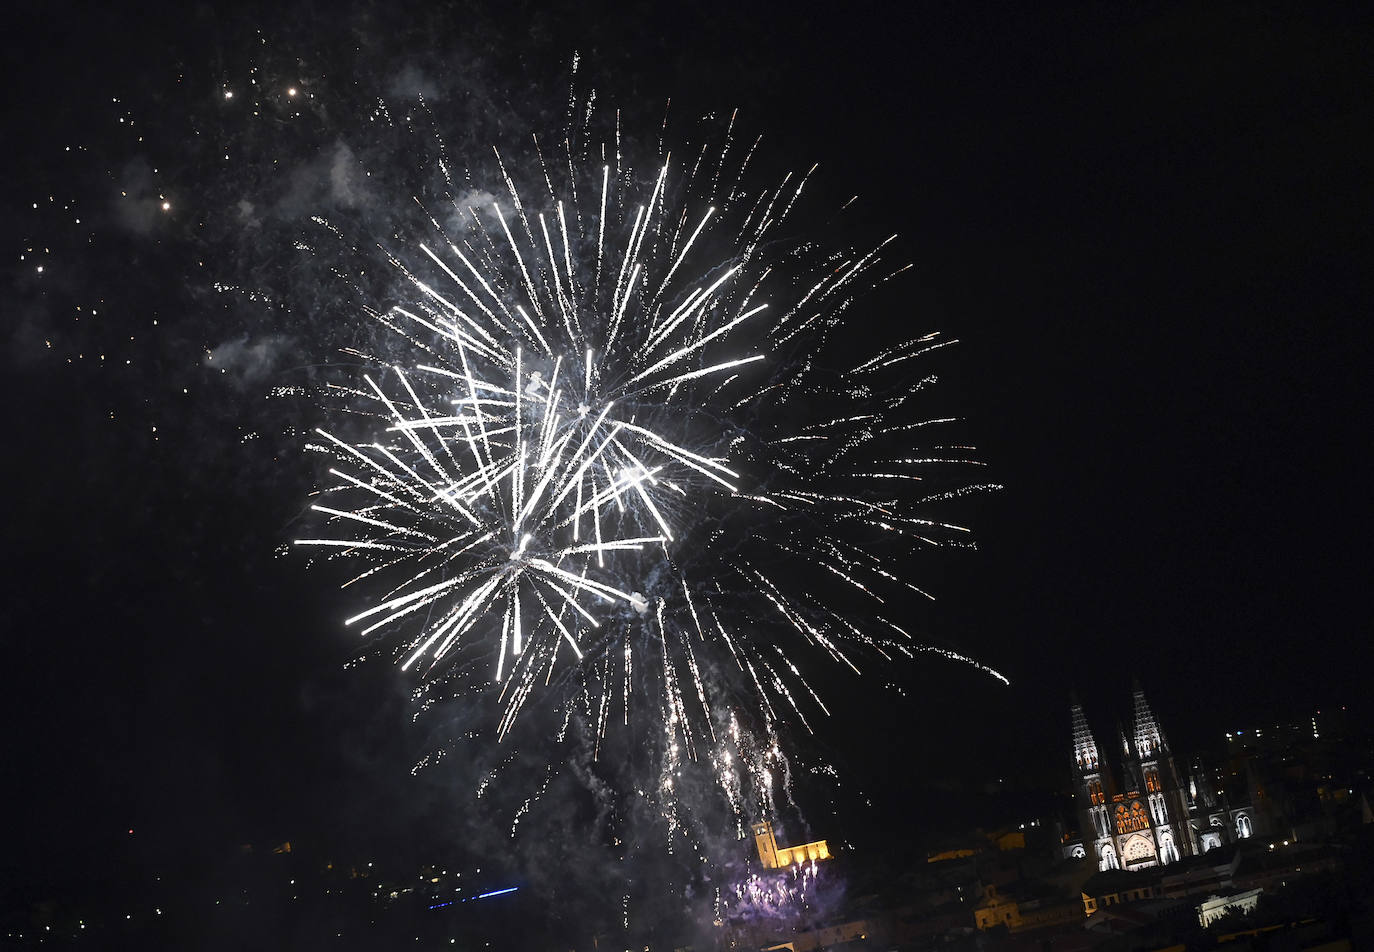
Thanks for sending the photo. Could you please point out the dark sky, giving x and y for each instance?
(1146, 225)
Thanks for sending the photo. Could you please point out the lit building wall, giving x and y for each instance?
(1218, 906)
(774, 857)
(767, 845)
(806, 851)
(996, 910)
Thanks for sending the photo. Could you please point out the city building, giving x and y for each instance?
(1023, 913)
(1239, 904)
(779, 857)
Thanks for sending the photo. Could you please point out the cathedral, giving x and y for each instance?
(1150, 813)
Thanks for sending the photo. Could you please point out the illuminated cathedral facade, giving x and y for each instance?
(1149, 813)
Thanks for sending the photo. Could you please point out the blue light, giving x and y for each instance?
(497, 892)
(485, 895)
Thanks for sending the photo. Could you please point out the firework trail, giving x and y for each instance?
(619, 469)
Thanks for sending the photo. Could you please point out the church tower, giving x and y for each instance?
(767, 845)
(1092, 785)
(1151, 766)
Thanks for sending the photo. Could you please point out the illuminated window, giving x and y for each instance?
(1138, 849)
(1132, 818)
(1168, 852)
(1109, 860)
(1243, 827)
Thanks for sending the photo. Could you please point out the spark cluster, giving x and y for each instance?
(619, 467)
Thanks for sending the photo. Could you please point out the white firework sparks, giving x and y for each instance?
(614, 446)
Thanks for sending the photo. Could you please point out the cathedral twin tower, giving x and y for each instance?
(1150, 813)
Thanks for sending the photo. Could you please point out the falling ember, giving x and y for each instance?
(620, 469)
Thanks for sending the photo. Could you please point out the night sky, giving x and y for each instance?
(1146, 226)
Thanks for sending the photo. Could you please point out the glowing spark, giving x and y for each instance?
(560, 465)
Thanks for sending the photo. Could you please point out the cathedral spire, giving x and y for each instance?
(1149, 739)
(1084, 745)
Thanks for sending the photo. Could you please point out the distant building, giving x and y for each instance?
(1217, 906)
(1114, 888)
(1149, 813)
(779, 857)
(1216, 873)
(996, 910)
(1023, 914)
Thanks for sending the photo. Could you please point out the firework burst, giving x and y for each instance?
(619, 467)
